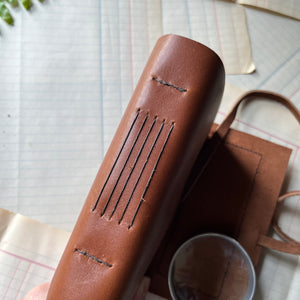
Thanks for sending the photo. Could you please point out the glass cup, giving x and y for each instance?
(211, 266)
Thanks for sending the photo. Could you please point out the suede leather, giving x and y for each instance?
(138, 187)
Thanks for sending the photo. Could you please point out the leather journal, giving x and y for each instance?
(233, 189)
(140, 182)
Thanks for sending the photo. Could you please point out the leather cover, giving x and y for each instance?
(138, 187)
(234, 194)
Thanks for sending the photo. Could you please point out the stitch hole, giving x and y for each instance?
(168, 84)
(98, 260)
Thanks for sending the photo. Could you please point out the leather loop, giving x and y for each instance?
(275, 225)
(271, 243)
(287, 195)
(225, 125)
(288, 245)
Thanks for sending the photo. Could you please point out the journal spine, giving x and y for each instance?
(137, 189)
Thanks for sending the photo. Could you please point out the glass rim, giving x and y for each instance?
(252, 274)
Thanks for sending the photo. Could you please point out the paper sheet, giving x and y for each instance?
(127, 38)
(287, 7)
(68, 68)
(29, 252)
(278, 70)
(219, 25)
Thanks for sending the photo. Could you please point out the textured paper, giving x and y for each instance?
(29, 252)
(67, 70)
(290, 8)
(219, 25)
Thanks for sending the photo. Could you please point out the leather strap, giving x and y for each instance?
(275, 224)
(287, 195)
(223, 128)
(271, 243)
(288, 244)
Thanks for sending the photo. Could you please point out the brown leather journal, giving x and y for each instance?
(138, 187)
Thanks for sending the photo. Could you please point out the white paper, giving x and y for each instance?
(290, 8)
(29, 253)
(219, 25)
(67, 72)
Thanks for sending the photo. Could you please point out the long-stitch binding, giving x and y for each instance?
(151, 175)
(100, 194)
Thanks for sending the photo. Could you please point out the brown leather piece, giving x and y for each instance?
(233, 190)
(138, 187)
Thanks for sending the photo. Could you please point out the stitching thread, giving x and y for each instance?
(151, 175)
(142, 170)
(180, 89)
(123, 168)
(243, 148)
(133, 166)
(118, 156)
(246, 201)
(93, 257)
